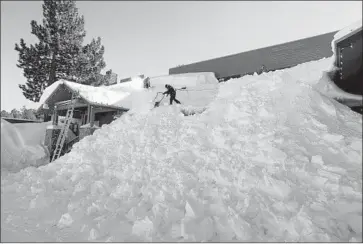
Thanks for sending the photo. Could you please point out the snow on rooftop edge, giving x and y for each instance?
(345, 31)
(99, 95)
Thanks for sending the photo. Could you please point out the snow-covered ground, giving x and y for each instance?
(271, 159)
(22, 146)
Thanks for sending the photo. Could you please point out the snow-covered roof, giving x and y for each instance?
(344, 33)
(348, 31)
(103, 95)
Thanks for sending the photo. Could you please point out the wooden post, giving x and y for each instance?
(92, 114)
(88, 113)
(55, 116)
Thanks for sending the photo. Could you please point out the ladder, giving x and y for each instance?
(62, 135)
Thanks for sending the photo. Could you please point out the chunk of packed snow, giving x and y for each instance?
(22, 146)
(147, 175)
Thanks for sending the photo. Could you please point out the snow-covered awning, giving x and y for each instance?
(100, 96)
(346, 32)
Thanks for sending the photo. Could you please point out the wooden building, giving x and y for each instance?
(90, 111)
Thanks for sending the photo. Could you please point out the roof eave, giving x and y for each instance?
(348, 35)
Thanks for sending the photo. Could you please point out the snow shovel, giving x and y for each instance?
(158, 103)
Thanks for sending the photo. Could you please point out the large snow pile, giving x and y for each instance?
(22, 146)
(271, 159)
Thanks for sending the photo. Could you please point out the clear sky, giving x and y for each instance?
(145, 37)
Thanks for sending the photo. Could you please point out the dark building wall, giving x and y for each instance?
(273, 58)
(349, 62)
(104, 118)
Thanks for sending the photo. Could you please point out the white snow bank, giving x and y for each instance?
(22, 146)
(271, 159)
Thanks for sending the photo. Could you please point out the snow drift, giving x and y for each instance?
(22, 146)
(271, 159)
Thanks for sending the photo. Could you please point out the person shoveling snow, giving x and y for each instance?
(171, 91)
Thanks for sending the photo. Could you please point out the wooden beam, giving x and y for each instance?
(64, 105)
(54, 118)
(88, 113)
(104, 109)
(92, 114)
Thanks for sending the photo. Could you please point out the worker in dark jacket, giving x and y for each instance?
(171, 91)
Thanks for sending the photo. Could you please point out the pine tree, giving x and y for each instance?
(59, 53)
(92, 62)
